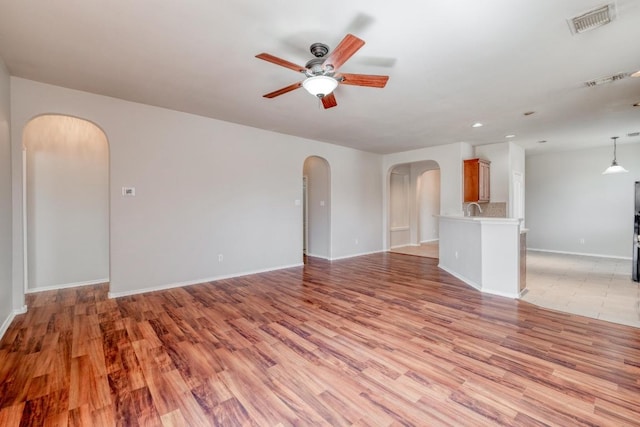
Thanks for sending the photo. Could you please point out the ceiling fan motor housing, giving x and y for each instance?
(314, 67)
(319, 49)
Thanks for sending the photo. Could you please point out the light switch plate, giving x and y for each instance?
(128, 191)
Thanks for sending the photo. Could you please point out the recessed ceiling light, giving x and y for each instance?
(477, 125)
(510, 136)
(528, 113)
(543, 141)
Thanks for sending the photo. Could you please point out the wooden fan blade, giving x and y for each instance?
(329, 101)
(283, 90)
(282, 62)
(364, 80)
(345, 50)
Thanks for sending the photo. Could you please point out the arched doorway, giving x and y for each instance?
(66, 197)
(316, 207)
(414, 203)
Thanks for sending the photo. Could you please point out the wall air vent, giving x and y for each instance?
(604, 80)
(632, 134)
(592, 19)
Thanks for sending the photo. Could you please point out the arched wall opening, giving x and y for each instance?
(414, 203)
(316, 207)
(66, 203)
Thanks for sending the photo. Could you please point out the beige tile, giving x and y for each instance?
(589, 286)
(617, 318)
(581, 310)
(622, 294)
(587, 301)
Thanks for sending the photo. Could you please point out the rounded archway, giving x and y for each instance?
(413, 204)
(66, 203)
(316, 176)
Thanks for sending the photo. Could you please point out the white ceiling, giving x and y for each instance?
(451, 63)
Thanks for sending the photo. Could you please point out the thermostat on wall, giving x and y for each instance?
(128, 191)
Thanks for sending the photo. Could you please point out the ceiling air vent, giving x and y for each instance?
(593, 19)
(604, 80)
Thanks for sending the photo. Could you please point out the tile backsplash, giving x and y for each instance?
(493, 210)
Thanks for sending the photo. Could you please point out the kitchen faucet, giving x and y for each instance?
(469, 208)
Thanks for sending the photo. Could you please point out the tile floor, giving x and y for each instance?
(589, 286)
(594, 287)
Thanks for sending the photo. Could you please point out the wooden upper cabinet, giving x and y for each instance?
(476, 180)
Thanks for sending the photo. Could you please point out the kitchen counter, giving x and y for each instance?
(484, 252)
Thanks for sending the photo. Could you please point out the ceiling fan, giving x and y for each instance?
(321, 72)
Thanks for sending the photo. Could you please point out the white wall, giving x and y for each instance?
(568, 199)
(483, 252)
(517, 165)
(429, 200)
(356, 199)
(6, 259)
(460, 250)
(506, 159)
(498, 155)
(67, 202)
(204, 188)
(317, 171)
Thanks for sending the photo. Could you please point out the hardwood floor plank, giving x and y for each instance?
(382, 339)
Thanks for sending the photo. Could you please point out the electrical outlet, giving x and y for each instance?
(582, 241)
(456, 254)
(220, 258)
(356, 240)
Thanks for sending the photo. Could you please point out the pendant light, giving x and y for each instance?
(615, 167)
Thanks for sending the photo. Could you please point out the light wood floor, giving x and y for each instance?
(383, 339)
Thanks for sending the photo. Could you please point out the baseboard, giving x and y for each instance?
(461, 277)
(404, 246)
(501, 294)
(477, 286)
(580, 254)
(197, 281)
(66, 285)
(7, 322)
(429, 241)
(355, 255)
(318, 256)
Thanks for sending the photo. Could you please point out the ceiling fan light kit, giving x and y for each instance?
(320, 85)
(615, 167)
(321, 72)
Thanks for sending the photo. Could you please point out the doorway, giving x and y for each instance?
(66, 203)
(316, 187)
(414, 204)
